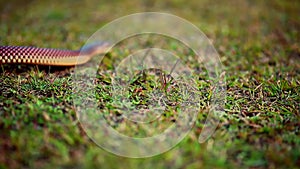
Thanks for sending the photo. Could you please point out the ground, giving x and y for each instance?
(259, 47)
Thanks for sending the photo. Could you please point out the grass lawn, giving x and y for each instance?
(259, 46)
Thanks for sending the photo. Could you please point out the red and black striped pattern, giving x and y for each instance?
(47, 56)
(34, 55)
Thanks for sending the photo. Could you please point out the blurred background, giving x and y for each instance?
(258, 42)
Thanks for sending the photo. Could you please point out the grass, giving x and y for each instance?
(258, 43)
